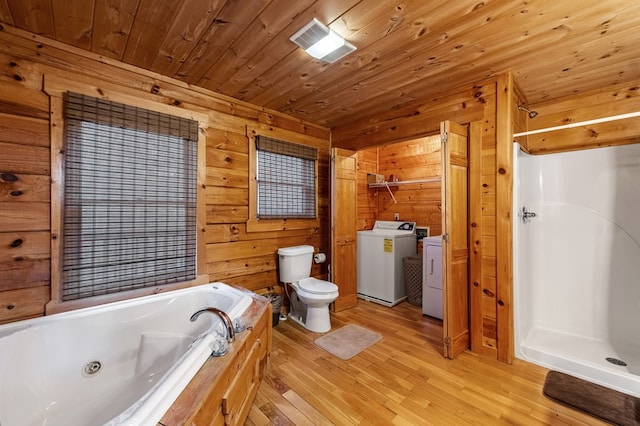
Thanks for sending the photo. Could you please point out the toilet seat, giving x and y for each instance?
(316, 286)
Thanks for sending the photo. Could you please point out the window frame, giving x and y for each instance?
(255, 224)
(56, 87)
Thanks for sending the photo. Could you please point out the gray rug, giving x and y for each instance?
(347, 341)
(598, 401)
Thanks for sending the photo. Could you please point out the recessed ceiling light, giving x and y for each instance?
(322, 42)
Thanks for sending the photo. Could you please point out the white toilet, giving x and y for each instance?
(310, 297)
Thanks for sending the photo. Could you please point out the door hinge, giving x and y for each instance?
(445, 237)
(447, 342)
(444, 137)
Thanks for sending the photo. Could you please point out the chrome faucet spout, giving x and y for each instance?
(228, 324)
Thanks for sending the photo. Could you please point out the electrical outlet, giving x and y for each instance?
(396, 216)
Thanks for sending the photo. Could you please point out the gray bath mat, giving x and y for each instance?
(598, 401)
(348, 341)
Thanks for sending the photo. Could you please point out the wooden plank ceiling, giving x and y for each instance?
(408, 51)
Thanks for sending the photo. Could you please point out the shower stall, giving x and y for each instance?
(577, 263)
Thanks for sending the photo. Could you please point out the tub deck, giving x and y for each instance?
(231, 380)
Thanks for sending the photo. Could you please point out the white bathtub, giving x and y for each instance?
(148, 350)
(577, 264)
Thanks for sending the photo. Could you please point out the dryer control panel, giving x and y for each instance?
(394, 227)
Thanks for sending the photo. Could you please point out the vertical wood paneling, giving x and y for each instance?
(148, 30)
(273, 19)
(374, 23)
(475, 238)
(409, 55)
(483, 322)
(504, 196)
(33, 15)
(250, 78)
(5, 13)
(73, 20)
(225, 28)
(113, 20)
(184, 33)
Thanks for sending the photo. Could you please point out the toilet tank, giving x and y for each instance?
(295, 263)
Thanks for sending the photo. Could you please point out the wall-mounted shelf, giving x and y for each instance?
(400, 183)
(403, 182)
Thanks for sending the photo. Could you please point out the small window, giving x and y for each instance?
(130, 202)
(285, 179)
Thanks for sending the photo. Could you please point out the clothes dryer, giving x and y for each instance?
(432, 276)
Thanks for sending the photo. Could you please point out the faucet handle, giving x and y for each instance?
(239, 325)
(220, 346)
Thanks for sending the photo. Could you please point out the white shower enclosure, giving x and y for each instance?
(577, 263)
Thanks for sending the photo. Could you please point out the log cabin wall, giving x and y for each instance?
(233, 255)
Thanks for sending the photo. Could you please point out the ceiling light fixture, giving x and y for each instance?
(322, 42)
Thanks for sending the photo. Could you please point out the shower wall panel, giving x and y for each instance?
(577, 262)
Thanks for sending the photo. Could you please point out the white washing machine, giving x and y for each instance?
(432, 276)
(380, 254)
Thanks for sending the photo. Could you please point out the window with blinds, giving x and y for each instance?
(129, 218)
(286, 179)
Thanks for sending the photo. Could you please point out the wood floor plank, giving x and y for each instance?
(403, 379)
(305, 408)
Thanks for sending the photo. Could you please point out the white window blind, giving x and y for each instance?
(286, 179)
(129, 218)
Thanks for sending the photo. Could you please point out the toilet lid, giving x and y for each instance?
(315, 286)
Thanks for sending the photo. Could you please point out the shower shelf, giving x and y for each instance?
(403, 182)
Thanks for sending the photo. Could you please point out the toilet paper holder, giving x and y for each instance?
(319, 258)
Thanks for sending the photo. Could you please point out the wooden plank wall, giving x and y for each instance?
(485, 265)
(605, 102)
(367, 198)
(421, 202)
(233, 255)
(409, 160)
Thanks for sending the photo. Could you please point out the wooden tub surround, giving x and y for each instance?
(223, 391)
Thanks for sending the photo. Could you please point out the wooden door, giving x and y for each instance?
(455, 247)
(344, 226)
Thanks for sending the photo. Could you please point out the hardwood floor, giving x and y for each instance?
(403, 379)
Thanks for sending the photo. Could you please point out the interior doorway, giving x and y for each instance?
(418, 175)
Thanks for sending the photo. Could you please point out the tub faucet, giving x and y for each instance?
(228, 324)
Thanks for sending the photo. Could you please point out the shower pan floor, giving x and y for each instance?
(585, 358)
